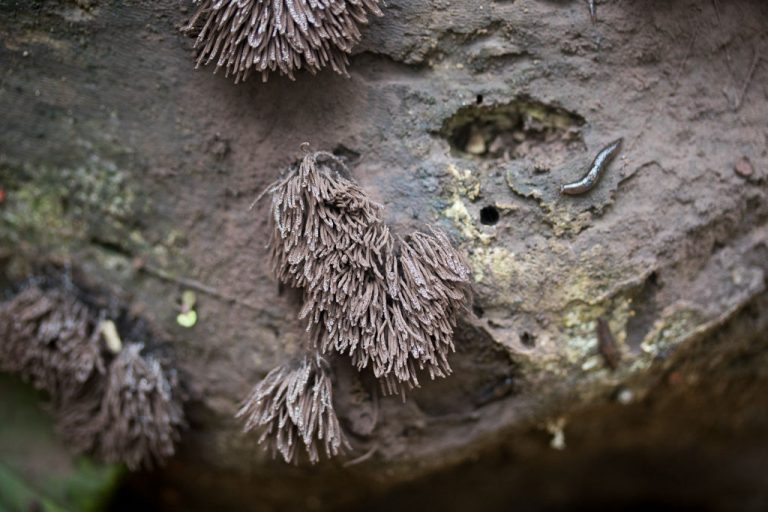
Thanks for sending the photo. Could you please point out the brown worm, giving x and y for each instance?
(596, 170)
(606, 344)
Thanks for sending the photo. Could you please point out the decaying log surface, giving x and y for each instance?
(121, 161)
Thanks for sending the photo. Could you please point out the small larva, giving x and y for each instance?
(592, 10)
(606, 345)
(596, 170)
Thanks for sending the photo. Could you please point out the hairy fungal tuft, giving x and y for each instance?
(386, 301)
(293, 408)
(120, 407)
(263, 36)
(134, 418)
(50, 339)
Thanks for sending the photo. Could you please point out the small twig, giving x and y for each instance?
(197, 286)
(364, 457)
(740, 100)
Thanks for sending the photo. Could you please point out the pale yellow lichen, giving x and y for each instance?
(580, 329)
(669, 330)
(464, 185)
(499, 261)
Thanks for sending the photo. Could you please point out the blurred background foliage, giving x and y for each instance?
(37, 471)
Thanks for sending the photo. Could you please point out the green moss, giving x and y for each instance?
(28, 209)
(50, 207)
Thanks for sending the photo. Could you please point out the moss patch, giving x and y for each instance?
(52, 207)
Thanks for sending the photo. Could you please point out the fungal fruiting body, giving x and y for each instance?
(387, 302)
(122, 407)
(135, 419)
(260, 36)
(596, 170)
(48, 337)
(293, 406)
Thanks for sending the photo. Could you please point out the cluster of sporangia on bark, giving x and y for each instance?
(259, 36)
(387, 302)
(110, 401)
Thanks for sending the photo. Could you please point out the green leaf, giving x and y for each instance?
(188, 319)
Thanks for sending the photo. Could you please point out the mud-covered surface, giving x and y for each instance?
(118, 158)
(695, 442)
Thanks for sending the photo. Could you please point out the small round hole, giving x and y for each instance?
(479, 99)
(528, 339)
(479, 311)
(489, 215)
